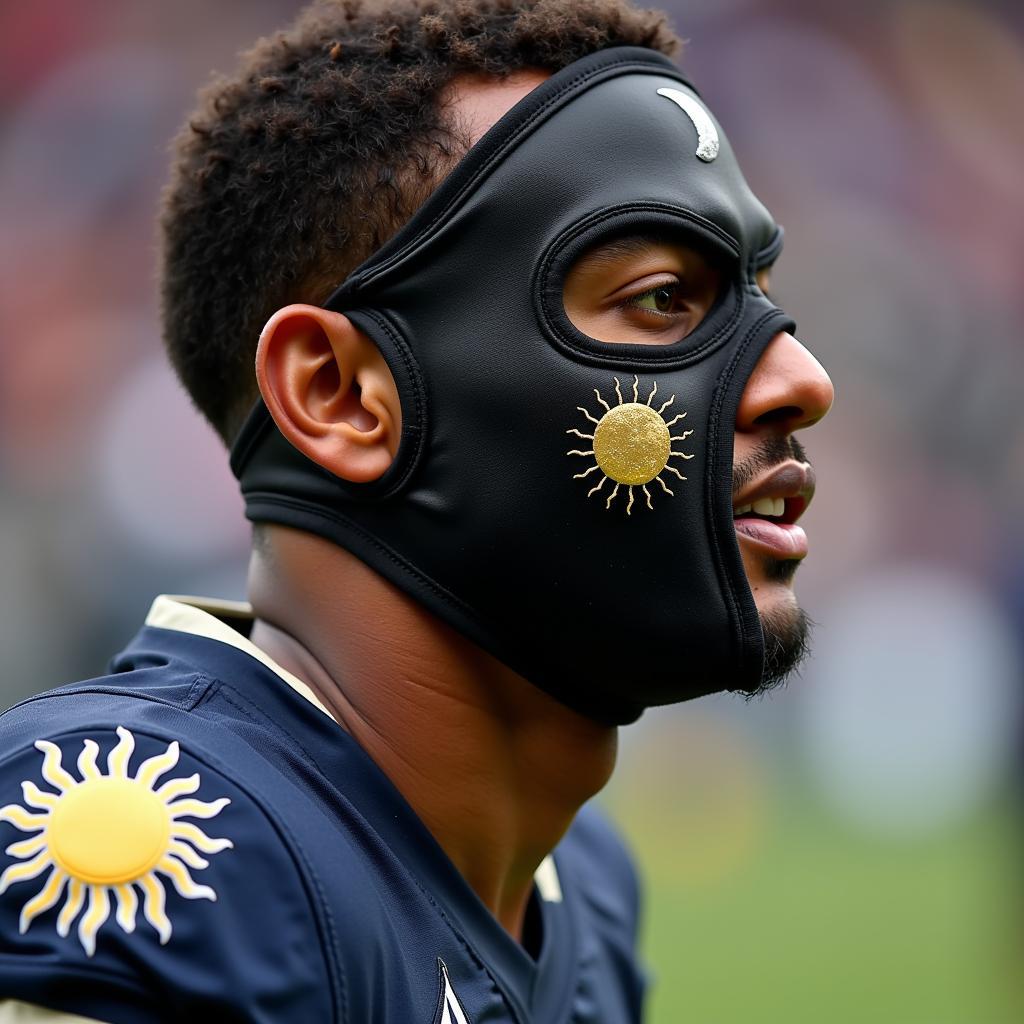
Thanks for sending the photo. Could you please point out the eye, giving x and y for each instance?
(657, 300)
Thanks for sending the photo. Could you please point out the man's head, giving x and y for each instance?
(332, 394)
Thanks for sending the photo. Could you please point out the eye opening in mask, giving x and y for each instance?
(641, 286)
(654, 288)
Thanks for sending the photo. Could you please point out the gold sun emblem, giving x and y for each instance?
(632, 444)
(106, 834)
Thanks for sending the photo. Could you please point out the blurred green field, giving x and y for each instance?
(760, 906)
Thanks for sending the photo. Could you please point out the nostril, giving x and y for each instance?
(783, 414)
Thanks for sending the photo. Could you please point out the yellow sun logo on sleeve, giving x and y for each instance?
(105, 834)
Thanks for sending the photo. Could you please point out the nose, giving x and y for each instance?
(788, 390)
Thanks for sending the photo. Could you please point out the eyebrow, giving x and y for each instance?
(619, 249)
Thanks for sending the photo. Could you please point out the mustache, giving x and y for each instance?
(769, 453)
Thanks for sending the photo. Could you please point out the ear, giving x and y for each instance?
(330, 391)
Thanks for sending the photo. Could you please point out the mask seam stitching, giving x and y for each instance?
(299, 505)
(713, 433)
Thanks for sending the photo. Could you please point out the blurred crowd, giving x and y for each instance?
(888, 139)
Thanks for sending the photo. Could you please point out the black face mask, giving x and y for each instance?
(484, 516)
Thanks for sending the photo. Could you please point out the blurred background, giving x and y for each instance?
(848, 849)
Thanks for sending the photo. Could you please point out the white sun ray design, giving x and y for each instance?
(103, 835)
(632, 444)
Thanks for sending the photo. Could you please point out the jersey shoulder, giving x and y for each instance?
(144, 873)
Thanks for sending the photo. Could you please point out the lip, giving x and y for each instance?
(782, 538)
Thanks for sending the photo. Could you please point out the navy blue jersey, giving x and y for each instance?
(193, 836)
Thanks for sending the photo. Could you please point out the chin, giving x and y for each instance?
(784, 624)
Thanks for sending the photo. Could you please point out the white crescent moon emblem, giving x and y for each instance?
(707, 134)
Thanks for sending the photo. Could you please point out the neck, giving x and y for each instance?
(494, 767)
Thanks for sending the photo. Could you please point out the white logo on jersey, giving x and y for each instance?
(707, 134)
(449, 1009)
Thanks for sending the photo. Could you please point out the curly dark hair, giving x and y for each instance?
(321, 146)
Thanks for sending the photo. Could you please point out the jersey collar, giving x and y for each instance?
(226, 621)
